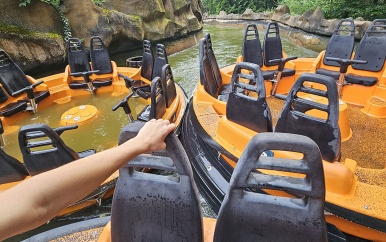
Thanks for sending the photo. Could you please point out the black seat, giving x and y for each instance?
(371, 48)
(79, 64)
(340, 45)
(252, 51)
(161, 59)
(100, 60)
(11, 170)
(15, 82)
(147, 61)
(154, 207)
(43, 149)
(273, 50)
(210, 75)
(11, 108)
(294, 119)
(250, 216)
(250, 111)
(157, 107)
(168, 85)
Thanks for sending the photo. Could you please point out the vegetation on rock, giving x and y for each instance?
(338, 9)
(56, 4)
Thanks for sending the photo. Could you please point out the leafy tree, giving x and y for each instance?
(369, 10)
(237, 6)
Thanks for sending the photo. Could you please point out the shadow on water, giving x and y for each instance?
(227, 42)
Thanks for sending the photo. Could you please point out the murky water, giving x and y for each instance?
(227, 42)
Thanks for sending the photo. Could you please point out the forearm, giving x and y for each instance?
(66, 185)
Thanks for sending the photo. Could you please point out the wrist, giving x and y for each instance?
(138, 145)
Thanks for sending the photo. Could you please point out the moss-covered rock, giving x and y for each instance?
(33, 35)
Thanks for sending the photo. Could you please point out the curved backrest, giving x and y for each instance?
(207, 75)
(250, 216)
(212, 60)
(155, 207)
(12, 78)
(372, 47)
(252, 51)
(99, 55)
(249, 107)
(341, 43)
(168, 85)
(272, 47)
(43, 149)
(77, 57)
(161, 59)
(147, 60)
(158, 100)
(295, 119)
(11, 170)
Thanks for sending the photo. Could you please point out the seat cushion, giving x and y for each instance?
(361, 80)
(102, 83)
(144, 114)
(333, 74)
(288, 72)
(12, 108)
(268, 75)
(78, 85)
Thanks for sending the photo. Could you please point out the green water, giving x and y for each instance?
(99, 133)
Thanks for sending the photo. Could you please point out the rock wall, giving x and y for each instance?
(33, 35)
(310, 21)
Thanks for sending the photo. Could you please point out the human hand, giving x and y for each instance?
(152, 135)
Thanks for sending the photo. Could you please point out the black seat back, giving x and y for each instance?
(77, 57)
(372, 47)
(161, 59)
(249, 216)
(168, 85)
(43, 149)
(272, 46)
(341, 43)
(99, 55)
(251, 50)
(12, 78)
(213, 60)
(294, 119)
(249, 107)
(147, 61)
(154, 207)
(207, 75)
(11, 170)
(158, 99)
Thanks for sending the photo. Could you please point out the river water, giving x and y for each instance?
(227, 42)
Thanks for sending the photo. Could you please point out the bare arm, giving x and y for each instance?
(38, 199)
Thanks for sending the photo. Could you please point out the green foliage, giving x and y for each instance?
(339, 9)
(237, 6)
(12, 29)
(98, 2)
